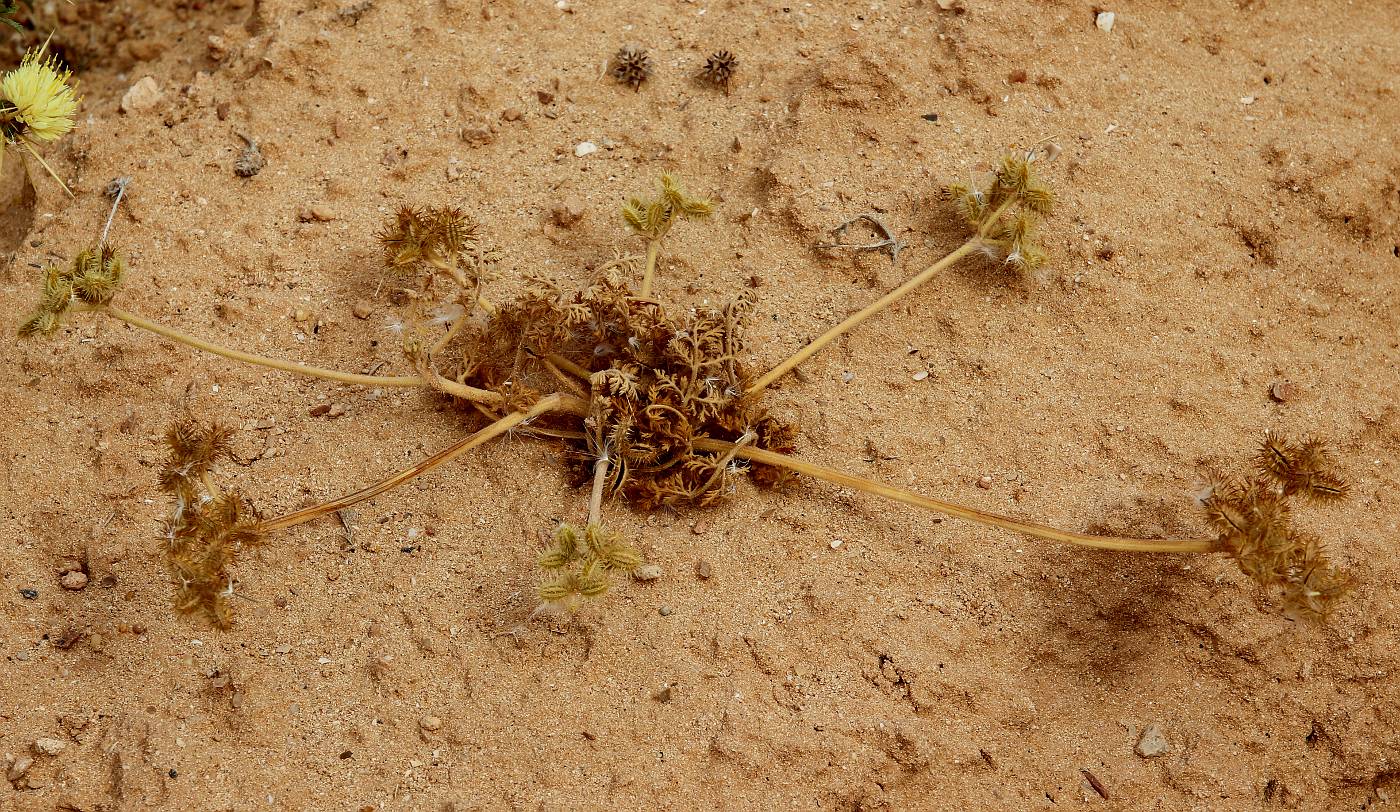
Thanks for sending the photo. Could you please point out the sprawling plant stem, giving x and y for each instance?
(853, 321)
(557, 402)
(416, 381)
(959, 511)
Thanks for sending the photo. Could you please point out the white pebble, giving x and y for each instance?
(585, 148)
(836, 543)
(49, 747)
(920, 375)
(1105, 20)
(647, 572)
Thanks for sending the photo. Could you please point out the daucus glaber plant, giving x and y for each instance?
(654, 405)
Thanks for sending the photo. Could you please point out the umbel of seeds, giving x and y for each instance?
(719, 69)
(631, 66)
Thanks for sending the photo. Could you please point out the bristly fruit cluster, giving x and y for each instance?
(206, 529)
(92, 279)
(719, 69)
(443, 239)
(631, 66)
(579, 563)
(1005, 212)
(1254, 519)
(653, 218)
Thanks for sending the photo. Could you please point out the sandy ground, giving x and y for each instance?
(1230, 220)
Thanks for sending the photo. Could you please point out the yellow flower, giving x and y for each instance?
(36, 101)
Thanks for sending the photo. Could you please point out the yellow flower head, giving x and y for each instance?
(36, 100)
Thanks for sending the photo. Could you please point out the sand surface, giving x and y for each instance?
(1230, 220)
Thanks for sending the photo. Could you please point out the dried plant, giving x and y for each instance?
(654, 406)
(206, 529)
(719, 69)
(1253, 516)
(631, 66)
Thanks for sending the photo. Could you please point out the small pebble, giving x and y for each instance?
(18, 769)
(430, 723)
(544, 96)
(29, 594)
(647, 572)
(921, 375)
(511, 114)
(585, 148)
(847, 376)
(700, 527)
(1283, 391)
(836, 543)
(567, 214)
(301, 315)
(250, 161)
(49, 747)
(985, 483)
(1105, 21)
(665, 611)
(663, 695)
(1152, 743)
(703, 570)
(319, 410)
(141, 96)
(74, 580)
(362, 309)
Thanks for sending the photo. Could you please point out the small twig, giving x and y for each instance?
(890, 242)
(114, 190)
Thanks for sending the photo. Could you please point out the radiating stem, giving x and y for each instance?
(238, 355)
(959, 511)
(448, 454)
(850, 323)
(653, 250)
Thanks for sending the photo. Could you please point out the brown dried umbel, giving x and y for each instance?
(630, 66)
(1254, 519)
(206, 528)
(719, 69)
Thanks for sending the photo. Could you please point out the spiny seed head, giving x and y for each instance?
(97, 273)
(719, 69)
(566, 540)
(43, 323)
(1255, 524)
(557, 589)
(554, 559)
(631, 66)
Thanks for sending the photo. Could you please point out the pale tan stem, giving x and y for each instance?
(571, 384)
(461, 390)
(959, 511)
(448, 334)
(570, 367)
(595, 502)
(238, 355)
(850, 323)
(649, 274)
(448, 454)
